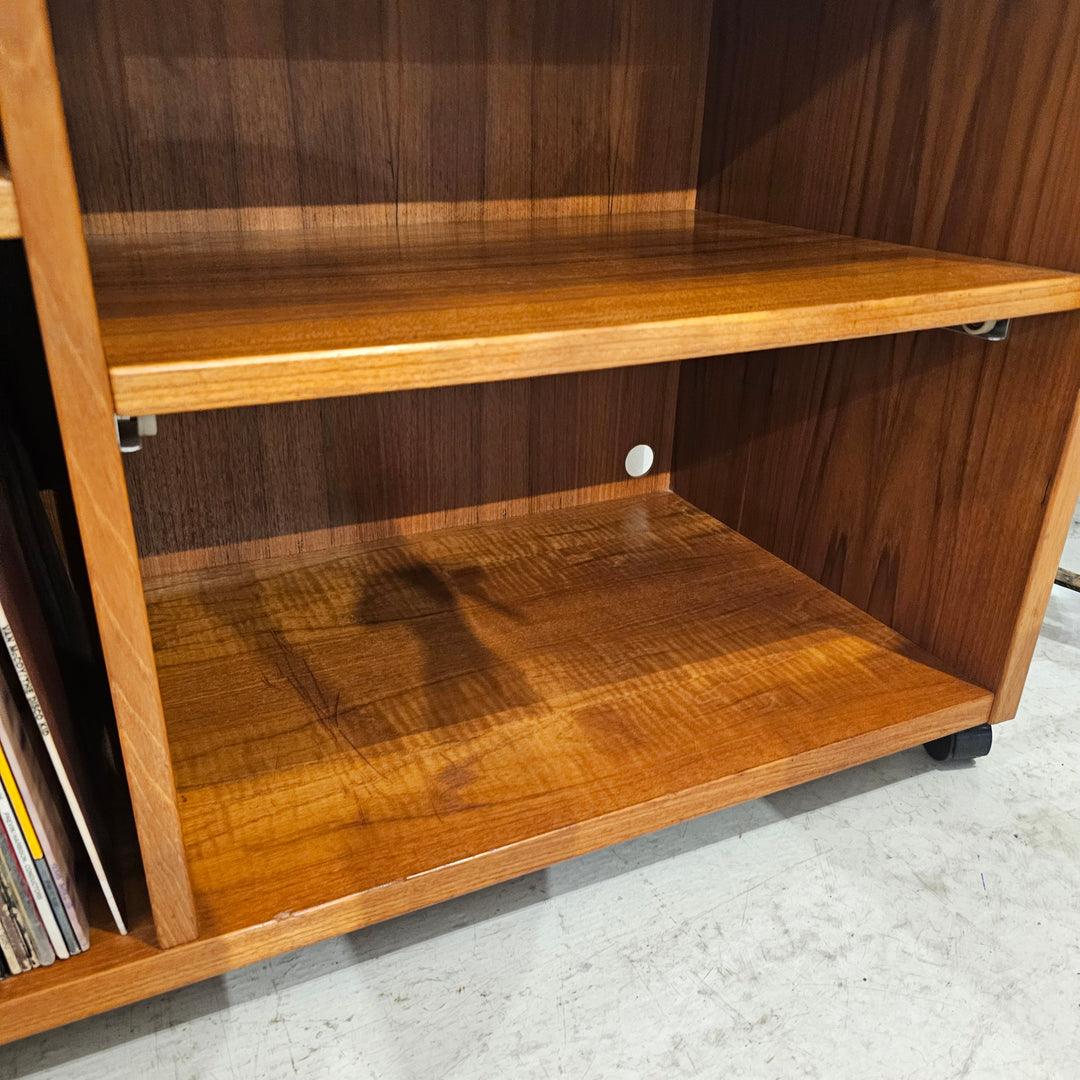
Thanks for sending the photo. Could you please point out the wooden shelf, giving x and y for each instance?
(239, 319)
(360, 732)
(10, 228)
(363, 732)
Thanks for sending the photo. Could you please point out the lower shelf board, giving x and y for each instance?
(361, 733)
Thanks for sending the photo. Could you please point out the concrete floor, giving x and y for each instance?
(898, 920)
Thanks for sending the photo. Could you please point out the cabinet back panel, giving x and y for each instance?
(255, 114)
(234, 485)
(927, 479)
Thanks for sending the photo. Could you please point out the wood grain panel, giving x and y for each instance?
(212, 321)
(229, 486)
(49, 212)
(419, 717)
(294, 113)
(421, 702)
(870, 465)
(955, 126)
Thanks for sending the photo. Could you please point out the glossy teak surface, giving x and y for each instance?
(552, 684)
(247, 115)
(382, 713)
(212, 321)
(930, 480)
(360, 733)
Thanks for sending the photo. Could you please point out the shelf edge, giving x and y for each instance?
(44, 1002)
(185, 386)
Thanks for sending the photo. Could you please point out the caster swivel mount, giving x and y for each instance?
(962, 745)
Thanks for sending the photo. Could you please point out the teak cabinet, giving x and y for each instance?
(384, 616)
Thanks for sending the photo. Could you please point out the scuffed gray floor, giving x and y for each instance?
(897, 920)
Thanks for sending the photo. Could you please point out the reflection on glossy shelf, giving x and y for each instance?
(362, 732)
(204, 321)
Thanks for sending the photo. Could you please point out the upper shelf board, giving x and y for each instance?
(210, 321)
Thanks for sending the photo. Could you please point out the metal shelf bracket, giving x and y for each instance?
(990, 330)
(130, 431)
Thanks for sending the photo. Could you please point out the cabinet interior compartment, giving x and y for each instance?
(404, 282)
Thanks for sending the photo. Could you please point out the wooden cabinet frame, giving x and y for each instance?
(382, 275)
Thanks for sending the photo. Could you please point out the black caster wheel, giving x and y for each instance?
(962, 745)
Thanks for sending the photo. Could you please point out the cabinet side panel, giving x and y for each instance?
(48, 206)
(233, 485)
(262, 114)
(927, 479)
